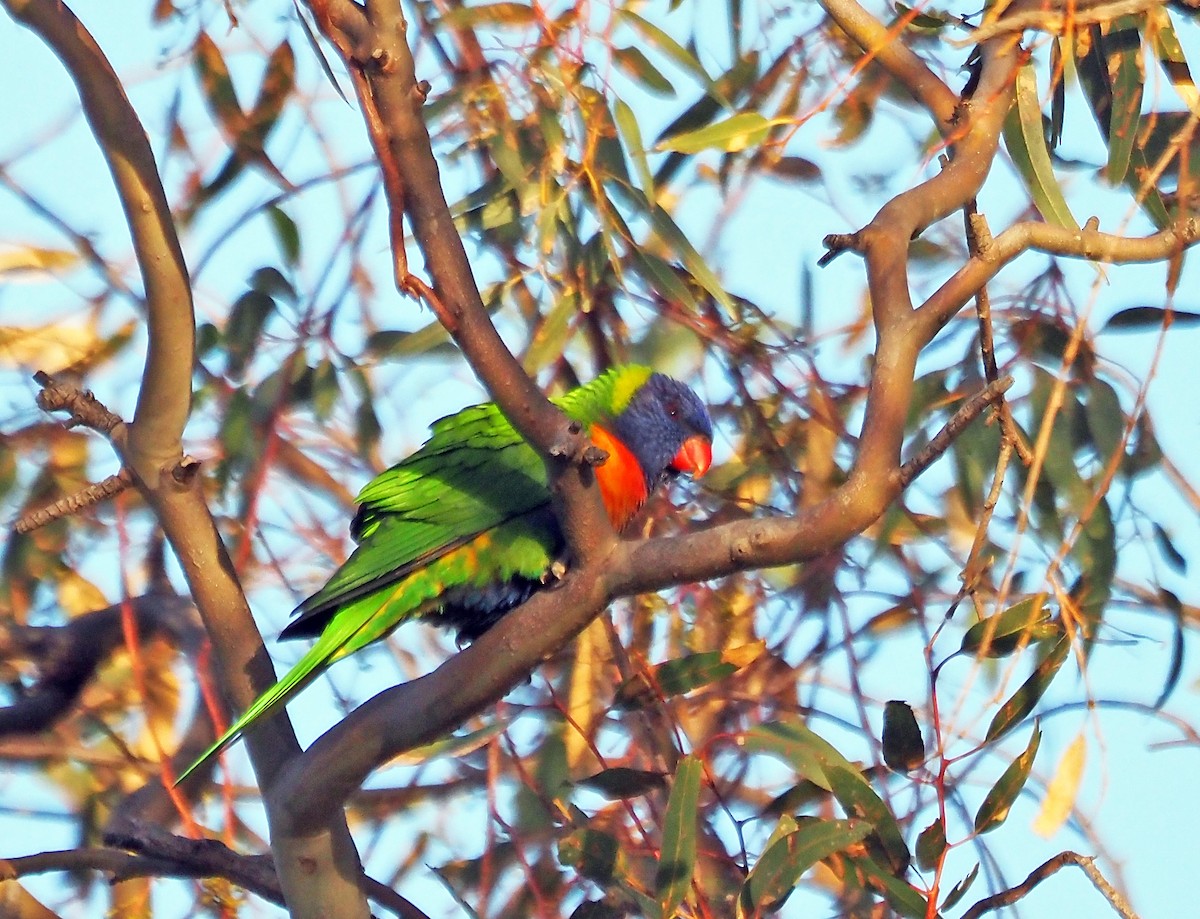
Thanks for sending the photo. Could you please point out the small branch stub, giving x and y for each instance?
(837, 243)
(186, 470)
(86, 410)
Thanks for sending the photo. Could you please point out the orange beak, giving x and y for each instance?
(694, 457)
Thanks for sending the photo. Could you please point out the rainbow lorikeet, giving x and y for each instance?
(461, 531)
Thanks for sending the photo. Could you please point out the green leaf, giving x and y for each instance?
(593, 853)
(1163, 38)
(903, 745)
(1093, 71)
(326, 389)
(784, 861)
(1022, 702)
(492, 14)
(597, 909)
(453, 746)
(621, 782)
(390, 344)
(550, 338)
(279, 80)
(683, 58)
(217, 86)
(270, 281)
(1105, 419)
(931, 843)
(744, 130)
(674, 238)
(1172, 556)
(901, 896)
(798, 796)
(638, 67)
(1172, 604)
(794, 168)
(1148, 317)
(674, 678)
(678, 858)
(859, 799)
(918, 21)
(1058, 100)
(1000, 635)
(315, 46)
(286, 233)
(608, 156)
(662, 277)
(999, 801)
(1026, 141)
(1060, 467)
(246, 320)
(1123, 50)
(794, 743)
(960, 889)
(635, 146)
(1095, 551)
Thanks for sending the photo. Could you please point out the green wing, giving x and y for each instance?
(470, 509)
(473, 474)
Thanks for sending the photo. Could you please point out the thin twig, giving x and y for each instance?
(72, 504)
(1043, 871)
(971, 570)
(941, 441)
(979, 239)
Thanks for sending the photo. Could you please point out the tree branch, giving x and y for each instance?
(207, 858)
(941, 441)
(67, 656)
(212, 858)
(1045, 870)
(1048, 20)
(881, 45)
(94, 494)
(1087, 243)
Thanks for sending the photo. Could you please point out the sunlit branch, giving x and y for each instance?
(1045, 870)
(1071, 13)
(1086, 243)
(881, 45)
(252, 872)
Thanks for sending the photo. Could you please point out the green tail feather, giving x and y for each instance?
(336, 642)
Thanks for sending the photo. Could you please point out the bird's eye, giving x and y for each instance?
(672, 408)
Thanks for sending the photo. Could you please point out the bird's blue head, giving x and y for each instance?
(667, 428)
